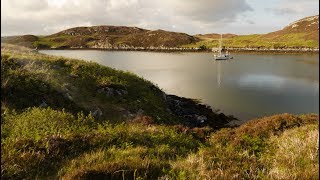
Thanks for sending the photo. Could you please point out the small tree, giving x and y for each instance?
(203, 47)
(38, 45)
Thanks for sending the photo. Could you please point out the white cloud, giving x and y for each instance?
(190, 16)
(296, 7)
(209, 10)
(282, 11)
(46, 17)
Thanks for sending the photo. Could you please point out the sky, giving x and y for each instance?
(44, 17)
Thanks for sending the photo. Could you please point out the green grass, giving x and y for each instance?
(49, 78)
(50, 42)
(292, 40)
(294, 154)
(42, 142)
(63, 41)
(254, 151)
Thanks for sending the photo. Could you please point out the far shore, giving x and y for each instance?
(231, 50)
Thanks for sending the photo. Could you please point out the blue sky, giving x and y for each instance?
(43, 17)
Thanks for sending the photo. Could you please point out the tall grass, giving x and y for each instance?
(259, 149)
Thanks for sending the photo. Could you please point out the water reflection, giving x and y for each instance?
(219, 73)
(262, 81)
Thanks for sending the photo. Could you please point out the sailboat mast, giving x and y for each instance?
(220, 47)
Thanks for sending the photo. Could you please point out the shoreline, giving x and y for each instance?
(169, 50)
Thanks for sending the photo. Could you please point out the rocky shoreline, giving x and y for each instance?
(196, 114)
(190, 111)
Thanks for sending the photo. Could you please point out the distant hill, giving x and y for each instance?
(308, 26)
(101, 31)
(301, 33)
(25, 40)
(104, 37)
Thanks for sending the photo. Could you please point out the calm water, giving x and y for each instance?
(249, 86)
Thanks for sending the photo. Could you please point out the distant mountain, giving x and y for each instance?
(301, 33)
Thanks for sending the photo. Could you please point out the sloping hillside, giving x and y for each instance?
(308, 27)
(106, 37)
(100, 31)
(25, 40)
(158, 38)
(301, 33)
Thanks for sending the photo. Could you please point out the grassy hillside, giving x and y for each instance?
(291, 40)
(133, 130)
(105, 37)
(301, 33)
(34, 79)
(25, 40)
(31, 79)
(45, 143)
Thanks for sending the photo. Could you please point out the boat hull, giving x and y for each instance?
(221, 58)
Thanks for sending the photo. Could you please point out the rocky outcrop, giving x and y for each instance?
(111, 91)
(196, 114)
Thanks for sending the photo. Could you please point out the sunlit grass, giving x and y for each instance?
(292, 40)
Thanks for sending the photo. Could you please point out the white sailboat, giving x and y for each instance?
(222, 56)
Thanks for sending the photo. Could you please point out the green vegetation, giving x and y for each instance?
(259, 149)
(64, 141)
(290, 40)
(50, 79)
(62, 41)
(42, 139)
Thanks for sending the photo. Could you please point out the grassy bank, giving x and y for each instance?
(42, 143)
(292, 40)
(30, 79)
(48, 132)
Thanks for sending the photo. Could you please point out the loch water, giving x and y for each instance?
(248, 86)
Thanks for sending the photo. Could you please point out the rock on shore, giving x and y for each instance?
(195, 114)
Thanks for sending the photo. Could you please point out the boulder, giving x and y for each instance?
(96, 113)
(140, 112)
(68, 96)
(43, 104)
(109, 91)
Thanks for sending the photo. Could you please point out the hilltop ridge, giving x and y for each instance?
(308, 26)
(303, 33)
